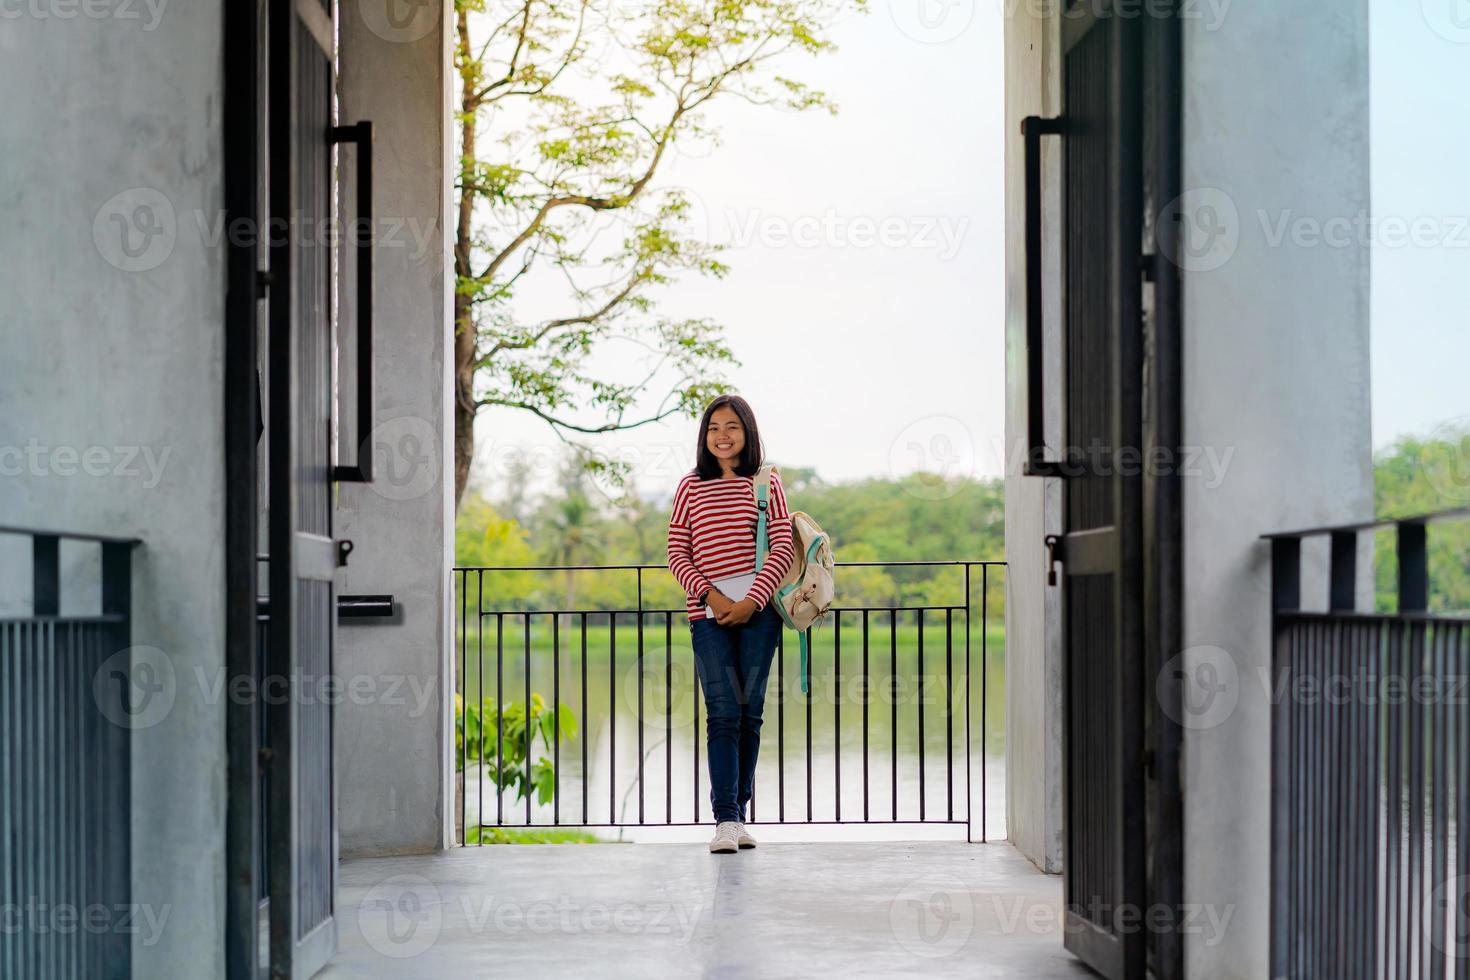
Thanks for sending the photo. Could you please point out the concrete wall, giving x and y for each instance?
(111, 343)
(1275, 372)
(394, 745)
(1033, 505)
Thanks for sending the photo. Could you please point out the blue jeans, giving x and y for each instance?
(733, 664)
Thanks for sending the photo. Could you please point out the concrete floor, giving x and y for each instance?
(674, 910)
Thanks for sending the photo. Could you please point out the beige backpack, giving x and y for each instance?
(803, 596)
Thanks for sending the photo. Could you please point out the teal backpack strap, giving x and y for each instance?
(805, 665)
(762, 542)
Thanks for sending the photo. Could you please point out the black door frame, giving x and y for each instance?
(244, 289)
(1163, 534)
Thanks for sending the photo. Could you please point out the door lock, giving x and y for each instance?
(1056, 551)
(344, 548)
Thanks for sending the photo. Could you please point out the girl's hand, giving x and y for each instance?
(735, 613)
(718, 602)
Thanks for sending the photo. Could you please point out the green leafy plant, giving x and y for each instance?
(502, 739)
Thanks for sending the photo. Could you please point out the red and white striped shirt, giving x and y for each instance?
(712, 535)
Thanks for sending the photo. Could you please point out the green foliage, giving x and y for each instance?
(1421, 476)
(912, 519)
(503, 740)
(567, 111)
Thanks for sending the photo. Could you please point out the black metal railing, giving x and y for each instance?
(872, 690)
(1370, 768)
(65, 771)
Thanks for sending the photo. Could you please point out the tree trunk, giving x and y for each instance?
(465, 339)
(464, 396)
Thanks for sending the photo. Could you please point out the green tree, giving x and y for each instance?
(567, 111)
(1422, 476)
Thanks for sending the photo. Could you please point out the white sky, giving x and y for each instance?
(865, 294)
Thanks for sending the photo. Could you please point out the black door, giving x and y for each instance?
(1113, 121)
(301, 837)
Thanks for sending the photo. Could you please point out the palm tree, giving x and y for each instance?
(572, 528)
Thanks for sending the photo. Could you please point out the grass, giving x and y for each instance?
(503, 835)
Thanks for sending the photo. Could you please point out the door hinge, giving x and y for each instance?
(1148, 266)
(1148, 763)
(264, 280)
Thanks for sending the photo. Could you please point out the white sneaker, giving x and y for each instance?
(743, 837)
(726, 839)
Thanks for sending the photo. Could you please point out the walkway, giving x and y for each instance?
(674, 910)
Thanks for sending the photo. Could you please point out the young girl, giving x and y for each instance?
(733, 626)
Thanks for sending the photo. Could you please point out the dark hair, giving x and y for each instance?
(707, 465)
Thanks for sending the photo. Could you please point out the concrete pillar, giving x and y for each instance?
(394, 744)
(111, 407)
(1276, 385)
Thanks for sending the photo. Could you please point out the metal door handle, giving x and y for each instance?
(1032, 129)
(361, 134)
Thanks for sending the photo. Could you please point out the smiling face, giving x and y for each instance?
(725, 436)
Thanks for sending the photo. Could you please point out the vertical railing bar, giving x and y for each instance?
(1313, 802)
(1300, 742)
(1326, 898)
(837, 713)
(499, 718)
(8, 738)
(781, 726)
(867, 697)
(1373, 739)
(479, 707)
(1416, 800)
(948, 714)
(1357, 811)
(464, 687)
(46, 815)
(1440, 865)
(984, 673)
(639, 668)
(1395, 952)
(586, 726)
(698, 694)
(669, 717)
(922, 686)
(1462, 792)
(811, 659)
(1344, 775)
(556, 718)
(1330, 804)
(893, 705)
(612, 717)
(530, 729)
